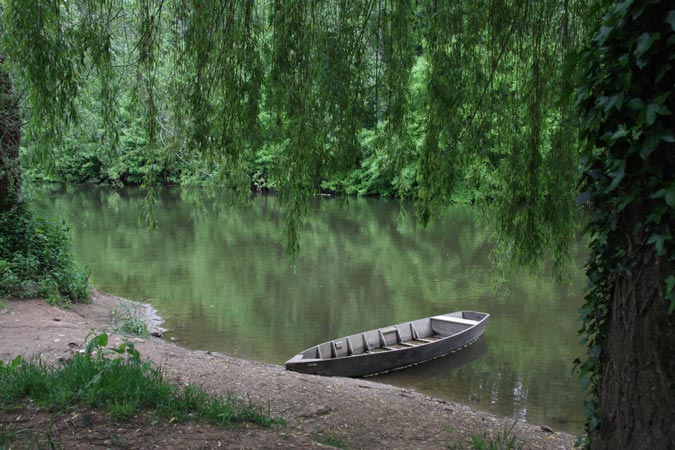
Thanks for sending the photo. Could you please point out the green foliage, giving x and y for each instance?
(410, 99)
(128, 321)
(628, 162)
(504, 441)
(85, 153)
(397, 99)
(119, 381)
(375, 175)
(333, 440)
(36, 259)
(7, 437)
(49, 46)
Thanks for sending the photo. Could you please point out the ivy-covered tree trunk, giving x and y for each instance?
(10, 136)
(637, 391)
(627, 100)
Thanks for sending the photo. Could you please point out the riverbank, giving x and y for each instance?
(357, 413)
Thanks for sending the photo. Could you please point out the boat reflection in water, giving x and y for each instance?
(439, 367)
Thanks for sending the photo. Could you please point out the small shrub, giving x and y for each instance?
(36, 259)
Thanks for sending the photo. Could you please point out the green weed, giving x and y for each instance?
(118, 442)
(128, 321)
(6, 437)
(8, 440)
(334, 441)
(504, 441)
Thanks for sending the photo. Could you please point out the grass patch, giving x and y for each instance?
(504, 441)
(128, 321)
(116, 380)
(9, 438)
(117, 442)
(334, 441)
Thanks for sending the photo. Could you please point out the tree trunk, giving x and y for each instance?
(10, 138)
(637, 397)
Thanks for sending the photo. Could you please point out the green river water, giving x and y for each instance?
(218, 276)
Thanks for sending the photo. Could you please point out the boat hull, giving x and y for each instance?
(370, 363)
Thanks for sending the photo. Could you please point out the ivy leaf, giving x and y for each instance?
(650, 115)
(582, 93)
(644, 43)
(617, 176)
(618, 134)
(625, 201)
(583, 198)
(667, 136)
(667, 194)
(656, 215)
(623, 60)
(602, 34)
(654, 109)
(622, 7)
(670, 18)
(635, 104)
(593, 423)
(670, 294)
(670, 283)
(607, 103)
(649, 144)
(594, 352)
(670, 196)
(652, 140)
(665, 68)
(658, 240)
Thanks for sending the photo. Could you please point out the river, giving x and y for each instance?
(218, 276)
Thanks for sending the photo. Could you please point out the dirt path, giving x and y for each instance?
(360, 413)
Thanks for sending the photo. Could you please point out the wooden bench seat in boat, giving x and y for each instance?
(455, 320)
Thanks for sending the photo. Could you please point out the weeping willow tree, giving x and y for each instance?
(307, 76)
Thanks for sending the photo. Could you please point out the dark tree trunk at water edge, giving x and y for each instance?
(10, 137)
(626, 98)
(637, 395)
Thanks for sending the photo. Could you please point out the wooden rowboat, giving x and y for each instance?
(393, 347)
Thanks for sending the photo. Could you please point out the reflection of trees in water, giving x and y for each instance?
(219, 275)
(478, 376)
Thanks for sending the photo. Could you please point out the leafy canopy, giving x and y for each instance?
(453, 92)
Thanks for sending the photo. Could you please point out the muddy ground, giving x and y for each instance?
(351, 413)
